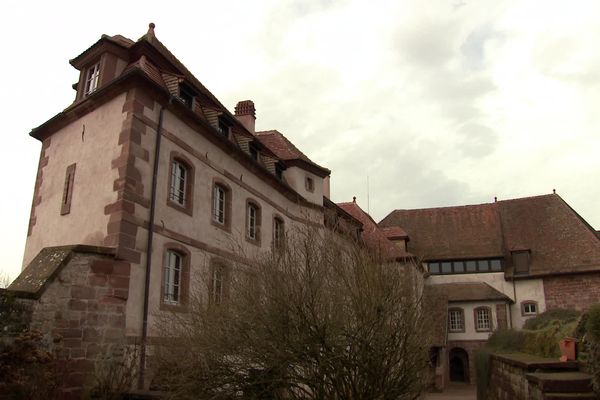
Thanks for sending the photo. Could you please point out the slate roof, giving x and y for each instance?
(470, 291)
(372, 235)
(560, 240)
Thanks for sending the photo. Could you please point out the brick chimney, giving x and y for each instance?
(246, 114)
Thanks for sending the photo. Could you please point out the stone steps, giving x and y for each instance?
(567, 385)
(570, 396)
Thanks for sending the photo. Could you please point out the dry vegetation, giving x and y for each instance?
(318, 319)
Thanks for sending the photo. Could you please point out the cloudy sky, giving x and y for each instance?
(432, 103)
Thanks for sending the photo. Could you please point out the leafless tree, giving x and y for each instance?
(319, 318)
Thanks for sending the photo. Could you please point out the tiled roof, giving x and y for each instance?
(470, 291)
(559, 240)
(394, 232)
(149, 69)
(283, 148)
(372, 235)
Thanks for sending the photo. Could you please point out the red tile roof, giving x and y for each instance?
(470, 291)
(372, 235)
(394, 232)
(284, 149)
(560, 241)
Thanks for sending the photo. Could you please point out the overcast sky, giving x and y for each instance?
(433, 103)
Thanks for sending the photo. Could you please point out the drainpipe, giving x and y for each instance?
(514, 297)
(149, 248)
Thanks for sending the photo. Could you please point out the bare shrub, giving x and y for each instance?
(318, 318)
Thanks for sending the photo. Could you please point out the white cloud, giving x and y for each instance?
(438, 103)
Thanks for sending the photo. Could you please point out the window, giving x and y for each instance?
(65, 207)
(223, 128)
(309, 184)
(221, 205)
(465, 266)
(279, 171)
(278, 232)
(186, 95)
(177, 192)
(529, 308)
(483, 319)
(219, 194)
(521, 262)
(253, 152)
(218, 283)
(175, 277)
(91, 79)
(181, 183)
(172, 278)
(456, 320)
(252, 222)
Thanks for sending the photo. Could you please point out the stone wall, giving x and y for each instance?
(470, 346)
(572, 291)
(507, 380)
(80, 310)
(528, 377)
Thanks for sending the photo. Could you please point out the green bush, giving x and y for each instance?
(482, 370)
(592, 346)
(592, 325)
(550, 317)
(507, 340)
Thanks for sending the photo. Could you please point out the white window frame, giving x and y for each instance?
(219, 204)
(527, 304)
(172, 277)
(178, 189)
(483, 319)
(252, 221)
(92, 78)
(456, 320)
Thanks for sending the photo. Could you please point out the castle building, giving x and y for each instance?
(147, 186)
(498, 265)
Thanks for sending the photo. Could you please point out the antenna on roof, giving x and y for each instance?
(368, 208)
(553, 191)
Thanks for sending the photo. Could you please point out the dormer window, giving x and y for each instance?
(91, 79)
(253, 152)
(186, 95)
(521, 262)
(279, 171)
(223, 128)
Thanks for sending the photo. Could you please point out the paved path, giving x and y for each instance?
(455, 391)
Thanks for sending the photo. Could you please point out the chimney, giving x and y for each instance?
(246, 114)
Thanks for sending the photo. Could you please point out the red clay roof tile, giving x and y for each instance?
(560, 241)
(372, 235)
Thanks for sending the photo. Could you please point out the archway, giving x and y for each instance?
(458, 360)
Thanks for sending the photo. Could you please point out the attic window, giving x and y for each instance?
(279, 171)
(521, 262)
(91, 79)
(223, 128)
(253, 152)
(186, 95)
